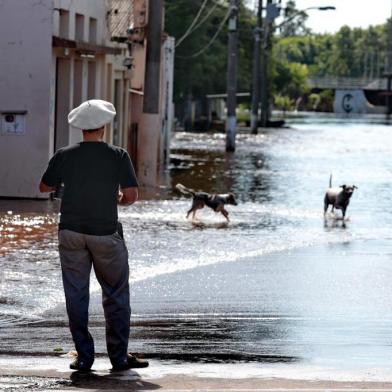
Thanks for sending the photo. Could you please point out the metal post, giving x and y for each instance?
(264, 88)
(389, 92)
(150, 125)
(254, 116)
(264, 82)
(153, 61)
(231, 122)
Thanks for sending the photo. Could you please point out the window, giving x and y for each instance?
(64, 24)
(79, 27)
(92, 31)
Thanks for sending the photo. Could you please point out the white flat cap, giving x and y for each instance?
(92, 114)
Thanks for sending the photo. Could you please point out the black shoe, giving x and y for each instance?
(131, 362)
(82, 366)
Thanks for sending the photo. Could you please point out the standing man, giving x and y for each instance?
(96, 176)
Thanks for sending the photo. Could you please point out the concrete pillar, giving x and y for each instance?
(150, 125)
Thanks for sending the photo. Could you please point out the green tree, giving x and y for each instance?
(371, 49)
(284, 103)
(323, 64)
(203, 73)
(298, 49)
(343, 55)
(289, 79)
(350, 52)
(296, 21)
(196, 74)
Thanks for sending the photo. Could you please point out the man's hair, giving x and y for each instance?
(92, 130)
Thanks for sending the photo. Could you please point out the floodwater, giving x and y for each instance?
(276, 285)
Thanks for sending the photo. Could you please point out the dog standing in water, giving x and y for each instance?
(214, 201)
(338, 197)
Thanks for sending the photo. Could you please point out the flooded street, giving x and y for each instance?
(276, 285)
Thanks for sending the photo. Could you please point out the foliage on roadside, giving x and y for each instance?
(242, 113)
(284, 103)
(320, 102)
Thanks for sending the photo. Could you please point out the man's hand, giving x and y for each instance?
(43, 188)
(127, 196)
(119, 196)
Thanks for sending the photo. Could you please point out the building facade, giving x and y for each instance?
(86, 64)
(149, 148)
(55, 54)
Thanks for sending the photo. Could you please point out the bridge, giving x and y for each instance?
(331, 83)
(343, 83)
(363, 95)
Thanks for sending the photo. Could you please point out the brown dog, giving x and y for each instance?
(214, 201)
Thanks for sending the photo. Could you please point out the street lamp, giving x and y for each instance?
(323, 8)
(327, 8)
(272, 14)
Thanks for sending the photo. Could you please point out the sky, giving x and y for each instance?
(354, 13)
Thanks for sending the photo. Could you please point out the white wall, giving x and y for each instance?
(25, 64)
(353, 102)
(89, 8)
(97, 9)
(28, 81)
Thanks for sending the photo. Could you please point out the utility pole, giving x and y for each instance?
(264, 88)
(231, 122)
(150, 124)
(254, 116)
(273, 11)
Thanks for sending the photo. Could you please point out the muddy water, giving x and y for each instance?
(277, 283)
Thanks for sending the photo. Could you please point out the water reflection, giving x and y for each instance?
(212, 338)
(28, 262)
(25, 231)
(218, 172)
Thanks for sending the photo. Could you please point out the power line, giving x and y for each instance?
(212, 39)
(206, 17)
(209, 13)
(189, 30)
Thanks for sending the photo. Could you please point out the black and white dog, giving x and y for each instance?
(214, 201)
(338, 197)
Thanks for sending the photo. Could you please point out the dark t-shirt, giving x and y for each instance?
(91, 173)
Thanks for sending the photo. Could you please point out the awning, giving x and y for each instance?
(58, 42)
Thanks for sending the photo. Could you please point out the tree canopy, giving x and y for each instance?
(201, 56)
(351, 52)
(199, 72)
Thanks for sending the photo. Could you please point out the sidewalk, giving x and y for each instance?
(52, 374)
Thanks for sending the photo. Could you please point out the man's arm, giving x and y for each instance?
(128, 193)
(128, 196)
(52, 175)
(43, 188)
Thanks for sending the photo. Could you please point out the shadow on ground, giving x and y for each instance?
(116, 381)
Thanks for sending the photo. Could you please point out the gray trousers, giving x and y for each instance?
(109, 257)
